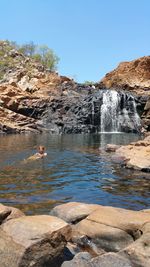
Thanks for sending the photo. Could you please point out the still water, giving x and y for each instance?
(75, 169)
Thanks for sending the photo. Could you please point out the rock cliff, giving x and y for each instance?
(133, 76)
(33, 99)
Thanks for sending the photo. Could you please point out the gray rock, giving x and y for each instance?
(80, 260)
(110, 260)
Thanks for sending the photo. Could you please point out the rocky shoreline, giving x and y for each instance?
(75, 234)
(134, 156)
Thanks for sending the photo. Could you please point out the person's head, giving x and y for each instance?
(41, 149)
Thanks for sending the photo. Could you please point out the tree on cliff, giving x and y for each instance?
(28, 49)
(42, 54)
(47, 57)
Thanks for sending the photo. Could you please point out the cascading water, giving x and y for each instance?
(118, 112)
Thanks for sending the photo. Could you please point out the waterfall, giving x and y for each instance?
(118, 112)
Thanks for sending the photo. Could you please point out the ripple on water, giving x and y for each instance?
(75, 169)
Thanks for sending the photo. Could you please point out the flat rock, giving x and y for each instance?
(73, 211)
(103, 236)
(41, 240)
(123, 219)
(137, 155)
(110, 260)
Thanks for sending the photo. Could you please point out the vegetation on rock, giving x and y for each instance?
(12, 55)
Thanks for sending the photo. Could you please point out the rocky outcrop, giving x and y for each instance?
(133, 75)
(136, 155)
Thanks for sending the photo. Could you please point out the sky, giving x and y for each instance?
(91, 37)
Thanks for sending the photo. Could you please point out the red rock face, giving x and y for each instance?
(134, 76)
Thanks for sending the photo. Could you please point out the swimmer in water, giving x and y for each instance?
(40, 154)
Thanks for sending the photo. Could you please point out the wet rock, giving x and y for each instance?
(34, 241)
(73, 212)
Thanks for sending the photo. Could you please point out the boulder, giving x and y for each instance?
(73, 212)
(110, 260)
(80, 260)
(127, 220)
(102, 236)
(139, 251)
(8, 213)
(107, 260)
(112, 229)
(34, 241)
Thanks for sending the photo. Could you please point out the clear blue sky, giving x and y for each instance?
(91, 37)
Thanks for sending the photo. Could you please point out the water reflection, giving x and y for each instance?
(76, 169)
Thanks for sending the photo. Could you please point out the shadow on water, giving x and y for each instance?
(74, 170)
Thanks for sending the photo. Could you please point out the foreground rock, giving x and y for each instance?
(112, 236)
(33, 241)
(97, 236)
(136, 155)
(8, 213)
